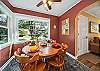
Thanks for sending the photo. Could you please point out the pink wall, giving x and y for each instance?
(4, 55)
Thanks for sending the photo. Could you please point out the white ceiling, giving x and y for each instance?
(94, 9)
(57, 8)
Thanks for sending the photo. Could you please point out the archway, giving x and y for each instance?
(90, 56)
(91, 12)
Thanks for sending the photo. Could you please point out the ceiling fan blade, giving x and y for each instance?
(55, 0)
(49, 7)
(39, 4)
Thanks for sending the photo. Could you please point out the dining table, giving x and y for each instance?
(44, 52)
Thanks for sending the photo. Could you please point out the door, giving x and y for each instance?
(82, 46)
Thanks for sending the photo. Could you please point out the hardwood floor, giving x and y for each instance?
(90, 60)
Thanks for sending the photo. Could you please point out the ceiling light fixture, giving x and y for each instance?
(44, 1)
(50, 3)
(47, 3)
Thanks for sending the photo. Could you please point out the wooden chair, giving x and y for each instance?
(64, 47)
(58, 61)
(30, 64)
(37, 65)
(59, 58)
(22, 60)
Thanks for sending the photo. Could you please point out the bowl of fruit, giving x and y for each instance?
(33, 48)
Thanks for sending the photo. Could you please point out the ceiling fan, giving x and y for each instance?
(47, 3)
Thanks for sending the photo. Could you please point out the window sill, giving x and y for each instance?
(20, 41)
(4, 45)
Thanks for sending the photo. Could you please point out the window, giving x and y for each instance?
(33, 29)
(3, 29)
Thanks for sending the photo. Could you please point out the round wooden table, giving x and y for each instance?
(43, 51)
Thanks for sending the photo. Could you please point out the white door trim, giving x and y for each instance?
(82, 19)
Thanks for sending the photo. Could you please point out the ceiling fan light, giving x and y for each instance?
(50, 3)
(45, 5)
(44, 1)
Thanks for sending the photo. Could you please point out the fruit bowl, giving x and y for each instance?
(33, 48)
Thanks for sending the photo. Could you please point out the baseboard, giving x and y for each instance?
(71, 55)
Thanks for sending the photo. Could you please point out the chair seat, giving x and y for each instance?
(58, 60)
(56, 63)
(41, 67)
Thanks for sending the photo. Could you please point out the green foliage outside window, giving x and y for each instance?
(3, 28)
(34, 29)
(3, 35)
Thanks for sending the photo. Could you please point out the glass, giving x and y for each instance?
(3, 35)
(3, 20)
(32, 29)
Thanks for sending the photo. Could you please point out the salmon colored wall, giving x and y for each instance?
(71, 14)
(4, 55)
(54, 31)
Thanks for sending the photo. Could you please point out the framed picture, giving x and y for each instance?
(94, 27)
(65, 27)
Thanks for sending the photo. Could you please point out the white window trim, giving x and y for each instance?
(24, 16)
(5, 45)
(4, 26)
(9, 13)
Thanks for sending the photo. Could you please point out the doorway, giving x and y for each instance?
(82, 38)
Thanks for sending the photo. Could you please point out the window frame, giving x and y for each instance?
(7, 43)
(9, 13)
(28, 17)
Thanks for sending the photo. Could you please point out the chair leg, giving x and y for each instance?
(35, 65)
(61, 68)
(48, 67)
(54, 69)
(24, 67)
